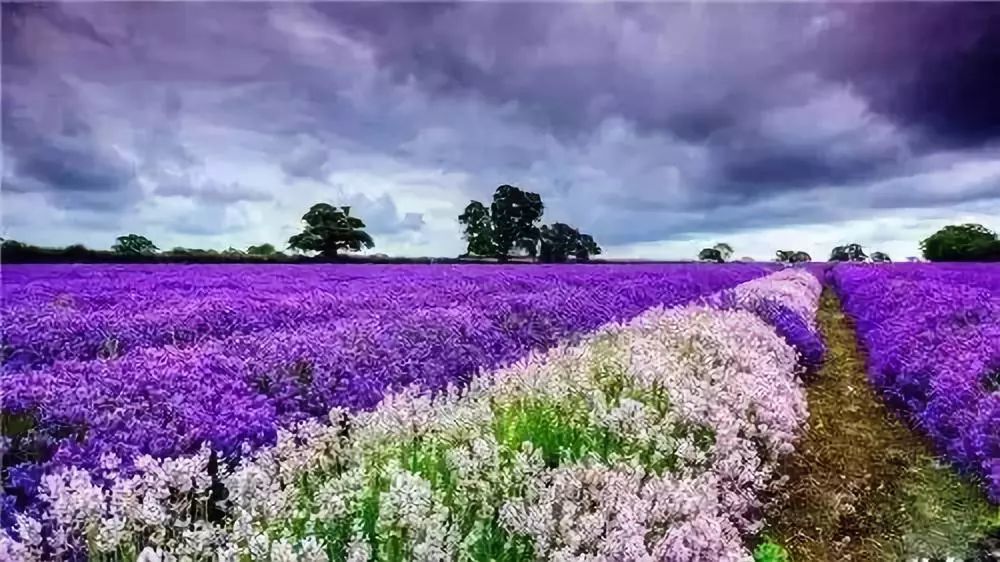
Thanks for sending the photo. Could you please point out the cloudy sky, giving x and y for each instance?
(658, 128)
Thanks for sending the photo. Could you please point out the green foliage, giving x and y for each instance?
(134, 245)
(478, 229)
(77, 251)
(12, 245)
(792, 256)
(965, 242)
(529, 243)
(769, 551)
(880, 257)
(586, 247)
(329, 229)
(725, 250)
(560, 241)
(261, 250)
(945, 516)
(710, 255)
(509, 223)
(850, 252)
(513, 215)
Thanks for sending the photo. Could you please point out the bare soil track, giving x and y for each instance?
(862, 485)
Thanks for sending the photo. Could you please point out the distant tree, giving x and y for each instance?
(78, 251)
(725, 250)
(800, 257)
(879, 257)
(710, 255)
(509, 224)
(231, 251)
(261, 250)
(513, 215)
(747, 259)
(329, 230)
(133, 245)
(965, 242)
(792, 256)
(478, 231)
(850, 252)
(10, 244)
(586, 247)
(558, 242)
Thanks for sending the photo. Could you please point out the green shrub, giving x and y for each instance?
(769, 551)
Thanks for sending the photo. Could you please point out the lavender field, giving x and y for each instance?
(593, 412)
(932, 333)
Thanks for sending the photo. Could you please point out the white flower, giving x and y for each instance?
(150, 554)
(283, 551)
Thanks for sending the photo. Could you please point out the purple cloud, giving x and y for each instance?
(681, 118)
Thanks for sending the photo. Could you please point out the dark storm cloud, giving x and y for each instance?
(636, 122)
(931, 66)
(60, 156)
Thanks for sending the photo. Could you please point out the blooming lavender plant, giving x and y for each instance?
(932, 333)
(646, 440)
(226, 355)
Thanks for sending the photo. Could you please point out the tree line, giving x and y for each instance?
(954, 243)
(721, 253)
(508, 228)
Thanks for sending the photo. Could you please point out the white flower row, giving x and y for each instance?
(649, 440)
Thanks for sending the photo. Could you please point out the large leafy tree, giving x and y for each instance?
(964, 242)
(559, 241)
(879, 257)
(849, 252)
(586, 247)
(513, 215)
(478, 230)
(800, 257)
(710, 255)
(329, 229)
(133, 245)
(511, 222)
(725, 250)
(792, 256)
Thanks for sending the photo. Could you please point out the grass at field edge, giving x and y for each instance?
(862, 486)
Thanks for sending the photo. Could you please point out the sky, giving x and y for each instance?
(657, 128)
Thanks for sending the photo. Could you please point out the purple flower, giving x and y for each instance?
(162, 359)
(932, 332)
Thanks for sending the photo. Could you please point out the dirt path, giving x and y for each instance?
(863, 487)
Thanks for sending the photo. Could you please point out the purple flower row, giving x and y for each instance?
(727, 371)
(932, 333)
(411, 325)
(117, 309)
